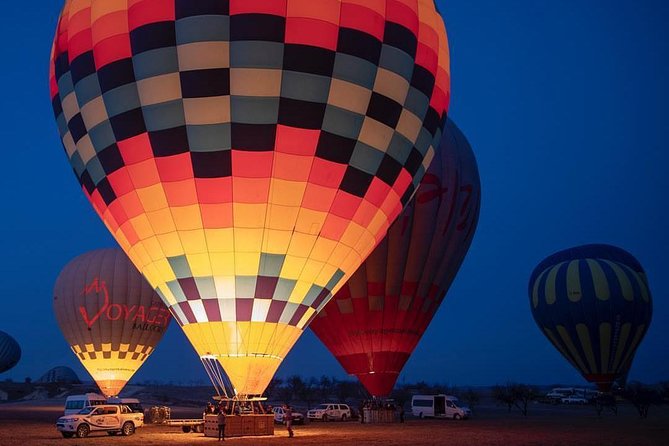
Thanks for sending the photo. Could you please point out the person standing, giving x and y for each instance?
(288, 418)
(220, 418)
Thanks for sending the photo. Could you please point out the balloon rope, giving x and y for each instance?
(217, 376)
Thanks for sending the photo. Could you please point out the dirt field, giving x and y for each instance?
(33, 423)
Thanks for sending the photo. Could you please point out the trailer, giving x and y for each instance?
(187, 424)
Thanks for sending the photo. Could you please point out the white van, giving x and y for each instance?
(74, 403)
(438, 406)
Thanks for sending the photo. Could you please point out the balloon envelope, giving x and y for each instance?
(110, 316)
(249, 155)
(10, 352)
(375, 321)
(593, 304)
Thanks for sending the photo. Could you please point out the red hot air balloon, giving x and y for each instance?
(375, 321)
(248, 155)
(110, 316)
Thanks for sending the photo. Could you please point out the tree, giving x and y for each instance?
(471, 397)
(515, 395)
(642, 397)
(502, 394)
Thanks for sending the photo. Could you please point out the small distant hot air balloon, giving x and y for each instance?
(248, 155)
(375, 321)
(594, 305)
(10, 352)
(110, 316)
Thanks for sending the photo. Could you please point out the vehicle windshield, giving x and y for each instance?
(322, 407)
(86, 410)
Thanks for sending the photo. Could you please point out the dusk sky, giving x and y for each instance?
(565, 106)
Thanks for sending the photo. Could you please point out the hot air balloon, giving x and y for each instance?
(593, 304)
(110, 316)
(10, 352)
(375, 321)
(248, 155)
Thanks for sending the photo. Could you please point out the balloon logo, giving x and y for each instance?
(593, 304)
(110, 316)
(248, 155)
(375, 321)
(10, 352)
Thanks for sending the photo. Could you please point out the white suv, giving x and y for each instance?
(279, 413)
(329, 411)
(110, 418)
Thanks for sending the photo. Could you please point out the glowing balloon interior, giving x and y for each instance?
(110, 316)
(248, 155)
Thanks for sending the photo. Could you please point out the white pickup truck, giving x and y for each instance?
(110, 418)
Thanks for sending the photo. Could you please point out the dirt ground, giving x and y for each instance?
(33, 423)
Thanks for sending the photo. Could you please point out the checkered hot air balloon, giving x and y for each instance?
(248, 155)
(109, 315)
(593, 304)
(376, 319)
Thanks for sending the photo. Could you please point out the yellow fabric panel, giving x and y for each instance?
(249, 370)
(574, 292)
(282, 217)
(310, 221)
(187, 217)
(193, 242)
(152, 197)
(622, 342)
(248, 240)
(301, 244)
(161, 221)
(623, 280)
(638, 335)
(223, 263)
(551, 296)
(142, 226)
(300, 290)
(573, 352)
(310, 272)
(586, 344)
(600, 282)
(554, 340)
(200, 264)
(247, 263)
(276, 242)
(292, 267)
(220, 240)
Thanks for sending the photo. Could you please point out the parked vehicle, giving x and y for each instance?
(279, 413)
(110, 418)
(74, 403)
(438, 406)
(574, 400)
(330, 411)
(133, 403)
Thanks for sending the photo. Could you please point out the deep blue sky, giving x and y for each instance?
(565, 105)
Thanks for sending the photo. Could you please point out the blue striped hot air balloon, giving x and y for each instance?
(594, 305)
